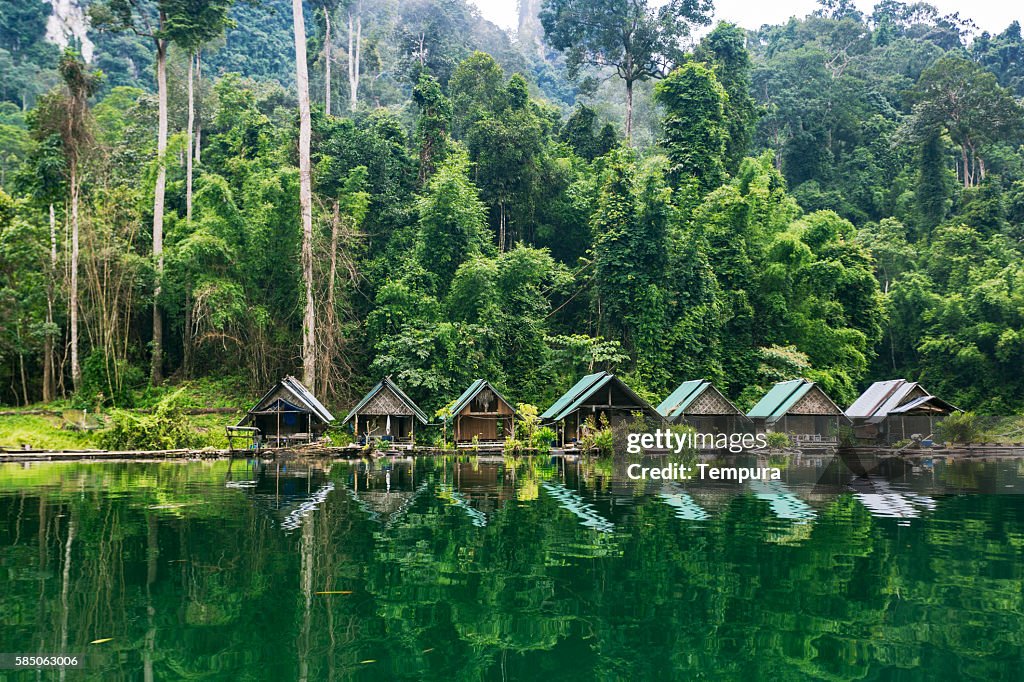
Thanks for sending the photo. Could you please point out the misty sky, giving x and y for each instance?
(990, 15)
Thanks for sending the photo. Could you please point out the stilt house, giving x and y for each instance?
(286, 414)
(386, 412)
(593, 396)
(702, 406)
(481, 412)
(799, 408)
(897, 409)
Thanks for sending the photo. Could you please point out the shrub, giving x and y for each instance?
(543, 438)
(166, 428)
(604, 441)
(106, 383)
(959, 427)
(778, 440)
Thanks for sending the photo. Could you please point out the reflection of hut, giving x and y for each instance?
(386, 412)
(800, 408)
(895, 410)
(595, 396)
(482, 413)
(702, 406)
(287, 413)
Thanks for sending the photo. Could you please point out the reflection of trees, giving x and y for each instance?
(200, 583)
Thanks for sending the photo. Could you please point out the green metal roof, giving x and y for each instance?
(472, 392)
(387, 382)
(780, 398)
(581, 398)
(681, 398)
(570, 395)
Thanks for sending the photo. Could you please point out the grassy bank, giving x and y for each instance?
(60, 426)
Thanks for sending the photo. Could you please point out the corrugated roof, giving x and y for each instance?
(581, 398)
(307, 396)
(780, 398)
(923, 400)
(567, 397)
(584, 389)
(682, 396)
(303, 401)
(471, 392)
(387, 382)
(883, 398)
(873, 398)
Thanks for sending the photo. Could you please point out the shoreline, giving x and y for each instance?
(967, 451)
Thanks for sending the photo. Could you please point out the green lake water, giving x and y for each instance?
(445, 569)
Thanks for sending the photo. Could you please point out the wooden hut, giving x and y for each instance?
(702, 406)
(286, 414)
(897, 409)
(801, 409)
(482, 413)
(386, 412)
(594, 396)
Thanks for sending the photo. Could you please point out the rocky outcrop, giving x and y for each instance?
(67, 24)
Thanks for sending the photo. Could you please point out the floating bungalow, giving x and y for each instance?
(482, 413)
(702, 406)
(595, 395)
(897, 409)
(386, 413)
(800, 408)
(287, 414)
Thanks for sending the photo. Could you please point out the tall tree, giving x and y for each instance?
(148, 19)
(190, 24)
(637, 38)
(305, 195)
(694, 125)
(969, 103)
(725, 50)
(432, 126)
(67, 114)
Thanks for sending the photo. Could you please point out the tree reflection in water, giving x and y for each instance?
(469, 569)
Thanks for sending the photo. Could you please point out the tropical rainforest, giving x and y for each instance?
(345, 189)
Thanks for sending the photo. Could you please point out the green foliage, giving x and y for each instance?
(777, 440)
(959, 427)
(165, 428)
(695, 125)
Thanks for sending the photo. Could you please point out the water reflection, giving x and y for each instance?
(450, 569)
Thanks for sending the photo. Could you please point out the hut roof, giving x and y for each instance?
(387, 384)
(473, 391)
(684, 400)
(895, 396)
(586, 387)
(288, 395)
(784, 396)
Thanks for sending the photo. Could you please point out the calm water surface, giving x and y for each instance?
(446, 569)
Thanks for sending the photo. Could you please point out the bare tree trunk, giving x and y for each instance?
(76, 369)
(199, 119)
(48, 392)
(187, 337)
(353, 60)
(332, 324)
(629, 111)
(327, 61)
(191, 127)
(964, 161)
(156, 370)
(305, 195)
